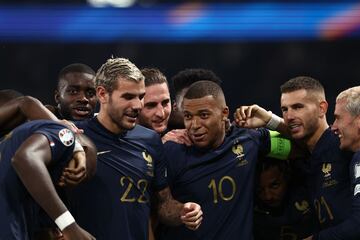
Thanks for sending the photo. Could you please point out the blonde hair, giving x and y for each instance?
(112, 69)
(352, 97)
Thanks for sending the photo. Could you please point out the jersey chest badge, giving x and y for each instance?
(302, 206)
(149, 163)
(238, 150)
(328, 180)
(326, 169)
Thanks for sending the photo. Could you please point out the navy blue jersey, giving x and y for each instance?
(18, 211)
(328, 179)
(220, 180)
(292, 221)
(115, 203)
(348, 229)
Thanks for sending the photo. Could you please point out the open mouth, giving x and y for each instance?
(82, 111)
(198, 137)
(132, 116)
(294, 127)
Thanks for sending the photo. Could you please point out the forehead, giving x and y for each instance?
(270, 174)
(294, 97)
(340, 107)
(157, 92)
(78, 78)
(208, 103)
(130, 86)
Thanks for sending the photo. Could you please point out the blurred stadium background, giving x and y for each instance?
(253, 46)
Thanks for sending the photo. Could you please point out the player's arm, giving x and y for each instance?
(30, 163)
(255, 116)
(173, 212)
(18, 110)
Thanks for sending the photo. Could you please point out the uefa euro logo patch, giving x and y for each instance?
(66, 137)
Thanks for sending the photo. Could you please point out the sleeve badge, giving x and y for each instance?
(66, 137)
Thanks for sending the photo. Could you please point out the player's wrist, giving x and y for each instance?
(64, 220)
(273, 122)
(78, 147)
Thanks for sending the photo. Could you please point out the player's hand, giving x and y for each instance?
(178, 136)
(75, 172)
(191, 215)
(252, 116)
(75, 232)
(308, 238)
(71, 126)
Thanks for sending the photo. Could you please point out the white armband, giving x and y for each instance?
(273, 122)
(64, 220)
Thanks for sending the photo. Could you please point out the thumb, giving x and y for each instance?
(188, 207)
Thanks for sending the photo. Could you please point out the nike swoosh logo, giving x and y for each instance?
(99, 153)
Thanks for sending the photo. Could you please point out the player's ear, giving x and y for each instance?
(102, 94)
(323, 106)
(57, 96)
(225, 113)
(174, 107)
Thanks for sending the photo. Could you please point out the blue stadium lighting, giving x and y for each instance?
(180, 23)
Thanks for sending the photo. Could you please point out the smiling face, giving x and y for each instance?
(157, 108)
(204, 119)
(76, 96)
(120, 108)
(302, 113)
(347, 127)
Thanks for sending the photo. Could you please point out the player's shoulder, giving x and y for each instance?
(171, 147)
(328, 148)
(43, 125)
(246, 133)
(143, 134)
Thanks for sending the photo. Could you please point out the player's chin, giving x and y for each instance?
(297, 135)
(200, 144)
(80, 118)
(344, 145)
(159, 128)
(129, 125)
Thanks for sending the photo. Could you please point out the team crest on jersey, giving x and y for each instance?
(302, 206)
(238, 150)
(326, 169)
(149, 163)
(328, 180)
(66, 137)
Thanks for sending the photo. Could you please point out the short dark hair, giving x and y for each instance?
(153, 76)
(185, 78)
(265, 163)
(302, 82)
(74, 67)
(202, 89)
